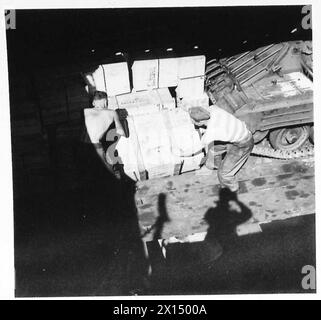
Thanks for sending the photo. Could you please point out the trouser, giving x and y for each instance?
(236, 156)
(214, 155)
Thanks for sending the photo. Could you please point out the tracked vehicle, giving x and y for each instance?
(270, 88)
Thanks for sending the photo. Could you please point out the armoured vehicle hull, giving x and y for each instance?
(270, 88)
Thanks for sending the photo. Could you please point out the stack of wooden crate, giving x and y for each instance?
(158, 129)
(155, 142)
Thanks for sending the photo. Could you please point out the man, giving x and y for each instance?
(97, 121)
(224, 127)
(97, 175)
(106, 198)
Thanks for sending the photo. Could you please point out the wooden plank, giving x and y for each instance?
(22, 109)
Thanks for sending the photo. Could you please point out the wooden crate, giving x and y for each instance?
(153, 141)
(140, 103)
(145, 74)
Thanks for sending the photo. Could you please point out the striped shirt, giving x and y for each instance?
(225, 127)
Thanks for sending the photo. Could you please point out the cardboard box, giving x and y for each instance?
(186, 103)
(191, 163)
(112, 102)
(153, 139)
(191, 88)
(168, 72)
(167, 101)
(99, 79)
(145, 74)
(112, 78)
(193, 66)
(182, 133)
(173, 69)
(116, 78)
(155, 145)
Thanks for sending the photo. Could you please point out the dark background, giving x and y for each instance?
(62, 248)
(54, 37)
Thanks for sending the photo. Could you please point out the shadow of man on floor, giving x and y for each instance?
(162, 217)
(223, 221)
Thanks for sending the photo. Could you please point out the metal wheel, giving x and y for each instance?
(289, 138)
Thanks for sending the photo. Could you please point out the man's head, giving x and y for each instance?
(100, 100)
(199, 115)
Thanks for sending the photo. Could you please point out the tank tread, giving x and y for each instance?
(305, 151)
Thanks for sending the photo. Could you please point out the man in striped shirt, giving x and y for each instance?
(237, 138)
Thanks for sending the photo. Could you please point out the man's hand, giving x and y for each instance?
(200, 123)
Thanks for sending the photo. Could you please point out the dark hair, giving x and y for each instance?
(99, 95)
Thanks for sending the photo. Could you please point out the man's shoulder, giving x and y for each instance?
(217, 111)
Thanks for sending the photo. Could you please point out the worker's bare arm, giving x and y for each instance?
(118, 125)
(108, 119)
(98, 123)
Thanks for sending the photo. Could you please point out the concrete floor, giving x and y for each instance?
(68, 246)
